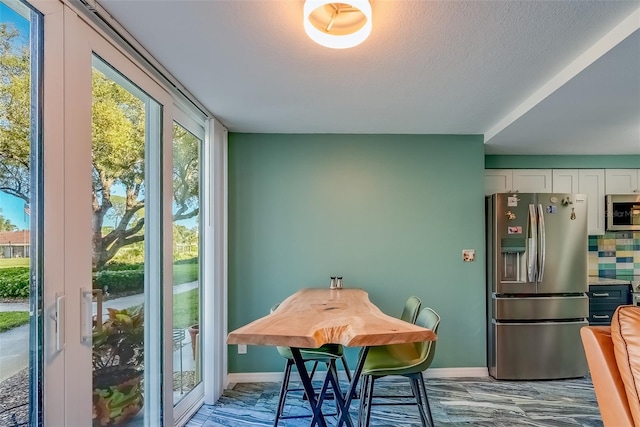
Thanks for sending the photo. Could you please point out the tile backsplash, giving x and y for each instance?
(614, 254)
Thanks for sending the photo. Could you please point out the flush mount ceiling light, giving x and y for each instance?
(337, 25)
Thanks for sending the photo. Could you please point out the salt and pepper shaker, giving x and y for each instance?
(336, 282)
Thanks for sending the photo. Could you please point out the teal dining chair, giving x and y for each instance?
(407, 360)
(409, 314)
(411, 309)
(326, 354)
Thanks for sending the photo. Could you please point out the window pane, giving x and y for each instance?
(20, 330)
(119, 131)
(186, 238)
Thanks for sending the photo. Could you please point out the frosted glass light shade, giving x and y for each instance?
(337, 25)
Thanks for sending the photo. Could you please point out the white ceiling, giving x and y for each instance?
(535, 77)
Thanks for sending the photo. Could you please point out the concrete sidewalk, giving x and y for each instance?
(14, 306)
(14, 351)
(14, 344)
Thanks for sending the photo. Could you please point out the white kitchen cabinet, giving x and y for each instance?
(532, 180)
(498, 181)
(592, 183)
(585, 181)
(622, 181)
(520, 180)
(589, 182)
(565, 181)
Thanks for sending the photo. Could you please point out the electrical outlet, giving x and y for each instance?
(242, 349)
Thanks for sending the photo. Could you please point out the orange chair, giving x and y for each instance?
(613, 355)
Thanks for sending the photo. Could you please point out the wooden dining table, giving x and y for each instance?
(313, 317)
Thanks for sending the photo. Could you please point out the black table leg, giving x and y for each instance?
(318, 418)
(344, 414)
(321, 396)
(340, 401)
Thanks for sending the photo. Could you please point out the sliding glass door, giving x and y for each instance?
(102, 237)
(188, 138)
(20, 214)
(112, 225)
(125, 132)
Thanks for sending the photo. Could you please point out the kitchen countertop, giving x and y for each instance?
(607, 281)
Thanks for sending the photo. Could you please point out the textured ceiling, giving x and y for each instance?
(429, 67)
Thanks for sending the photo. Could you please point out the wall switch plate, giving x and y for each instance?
(468, 255)
(242, 349)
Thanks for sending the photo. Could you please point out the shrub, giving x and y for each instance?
(123, 281)
(118, 366)
(14, 282)
(118, 278)
(120, 266)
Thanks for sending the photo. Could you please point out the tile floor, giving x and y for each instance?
(482, 402)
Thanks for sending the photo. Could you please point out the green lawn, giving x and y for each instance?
(184, 273)
(13, 319)
(14, 262)
(185, 309)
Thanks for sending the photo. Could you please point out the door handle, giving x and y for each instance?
(59, 317)
(542, 250)
(532, 245)
(86, 321)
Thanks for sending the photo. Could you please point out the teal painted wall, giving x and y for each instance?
(562, 162)
(389, 213)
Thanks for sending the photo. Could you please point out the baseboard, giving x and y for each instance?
(273, 377)
(456, 372)
(261, 377)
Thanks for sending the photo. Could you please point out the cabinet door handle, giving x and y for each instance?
(600, 294)
(600, 316)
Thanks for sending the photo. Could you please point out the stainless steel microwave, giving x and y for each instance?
(623, 212)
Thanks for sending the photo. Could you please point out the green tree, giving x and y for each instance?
(15, 106)
(5, 224)
(118, 143)
(118, 126)
(185, 240)
(185, 173)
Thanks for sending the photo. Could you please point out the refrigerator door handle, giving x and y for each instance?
(532, 242)
(542, 250)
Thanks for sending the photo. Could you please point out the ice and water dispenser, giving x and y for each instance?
(514, 259)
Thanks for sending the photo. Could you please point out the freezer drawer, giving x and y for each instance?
(540, 308)
(536, 351)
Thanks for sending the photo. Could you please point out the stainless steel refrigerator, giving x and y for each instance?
(536, 285)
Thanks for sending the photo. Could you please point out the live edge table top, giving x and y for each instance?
(314, 317)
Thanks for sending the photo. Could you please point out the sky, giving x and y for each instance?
(9, 15)
(13, 210)
(11, 207)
